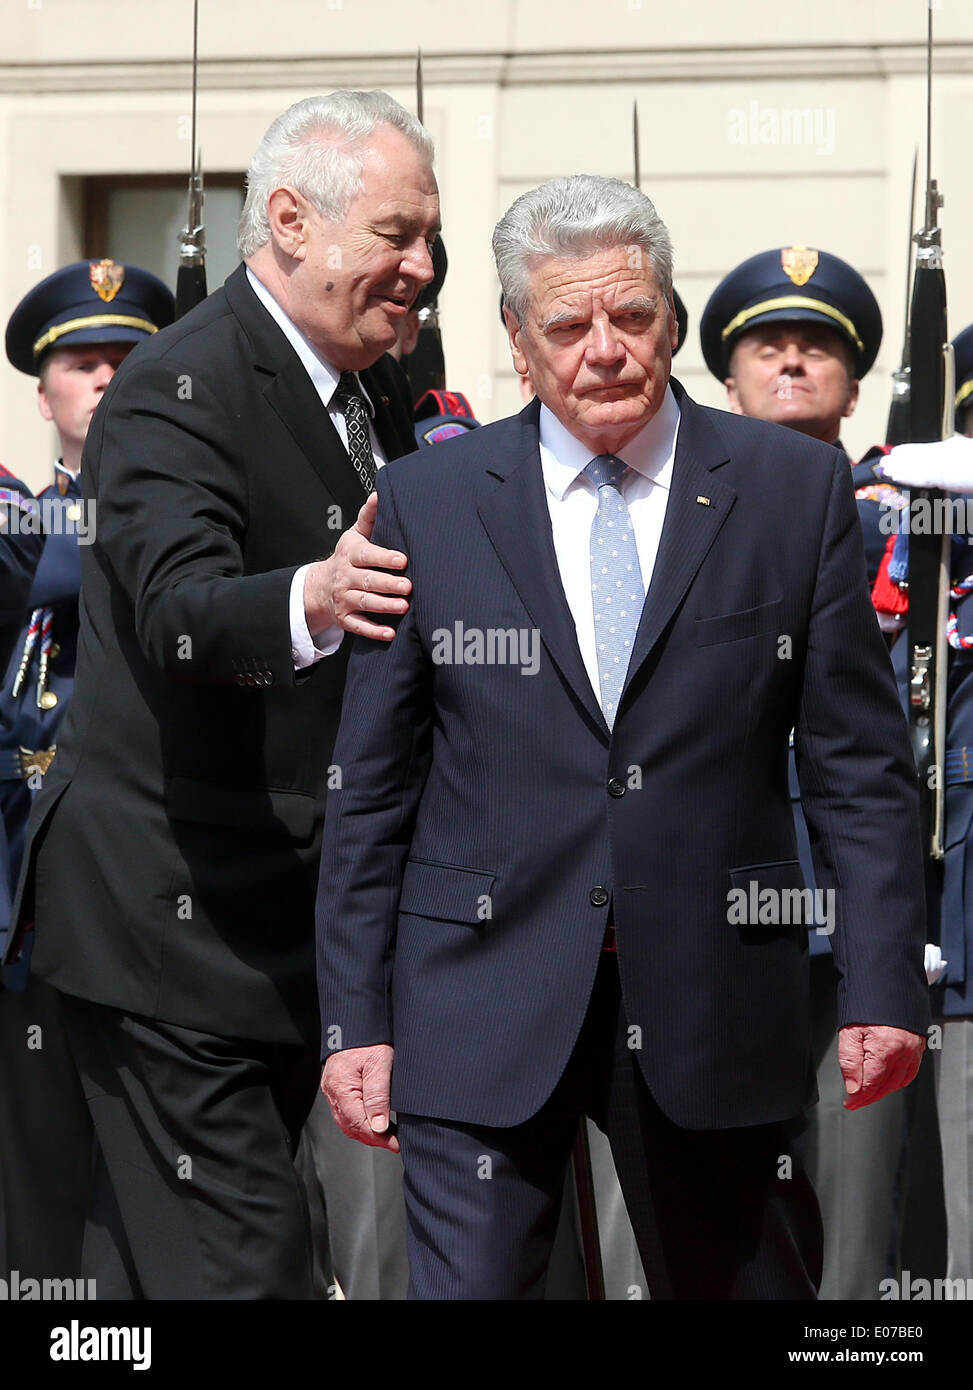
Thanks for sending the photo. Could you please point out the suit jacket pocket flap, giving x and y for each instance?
(248, 808)
(771, 895)
(730, 627)
(444, 891)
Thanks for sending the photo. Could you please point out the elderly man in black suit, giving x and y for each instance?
(171, 867)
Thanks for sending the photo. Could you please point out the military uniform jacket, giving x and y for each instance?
(172, 853)
(20, 551)
(30, 719)
(950, 894)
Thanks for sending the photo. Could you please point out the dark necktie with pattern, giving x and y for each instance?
(349, 398)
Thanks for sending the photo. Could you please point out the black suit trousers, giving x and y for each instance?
(194, 1190)
(721, 1214)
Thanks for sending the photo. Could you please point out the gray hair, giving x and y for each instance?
(572, 218)
(317, 147)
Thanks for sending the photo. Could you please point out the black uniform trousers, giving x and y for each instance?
(194, 1190)
(721, 1214)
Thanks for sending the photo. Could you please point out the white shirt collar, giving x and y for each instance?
(650, 453)
(324, 376)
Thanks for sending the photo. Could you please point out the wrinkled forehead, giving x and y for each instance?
(607, 277)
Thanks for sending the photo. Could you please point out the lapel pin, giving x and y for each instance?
(703, 501)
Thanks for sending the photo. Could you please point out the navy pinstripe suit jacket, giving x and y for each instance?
(480, 805)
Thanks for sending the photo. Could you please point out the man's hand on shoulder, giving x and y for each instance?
(875, 1060)
(356, 1085)
(340, 590)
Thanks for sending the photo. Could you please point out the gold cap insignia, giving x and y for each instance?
(798, 263)
(107, 278)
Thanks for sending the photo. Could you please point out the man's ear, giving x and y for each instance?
(732, 397)
(673, 325)
(43, 404)
(515, 334)
(852, 400)
(288, 213)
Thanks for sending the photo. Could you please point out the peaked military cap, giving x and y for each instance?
(99, 301)
(796, 284)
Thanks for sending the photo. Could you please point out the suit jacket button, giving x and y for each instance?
(615, 787)
(598, 896)
(268, 678)
(240, 679)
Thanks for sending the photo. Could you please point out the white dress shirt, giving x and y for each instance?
(305, 647)
(573, 502)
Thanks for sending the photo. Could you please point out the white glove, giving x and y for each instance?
(935, 965)
(947, 463)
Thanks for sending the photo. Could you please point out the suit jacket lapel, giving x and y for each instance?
(690, 528)
(518, 522)
(299, 406)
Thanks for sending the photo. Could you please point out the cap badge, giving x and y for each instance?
(798, 263)
(107, 278)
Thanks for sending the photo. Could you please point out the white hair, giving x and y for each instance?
(572, 218)
(317, 146)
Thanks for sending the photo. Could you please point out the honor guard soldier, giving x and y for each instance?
(70, 331)
(949, 965)
(791, 332)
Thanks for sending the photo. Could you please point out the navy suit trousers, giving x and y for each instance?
(723, 1214)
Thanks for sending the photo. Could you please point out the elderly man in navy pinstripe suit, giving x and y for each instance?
(560, 876)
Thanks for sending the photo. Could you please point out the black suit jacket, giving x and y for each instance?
(488, 817)
(173, 850)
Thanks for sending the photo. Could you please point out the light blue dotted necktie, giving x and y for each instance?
(617, 592)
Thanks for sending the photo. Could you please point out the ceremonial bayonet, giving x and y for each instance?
(191, 276)
(635, 144)
(897, 429)
(425, 366)
(931, 396)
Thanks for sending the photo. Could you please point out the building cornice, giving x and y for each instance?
(630, 66)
